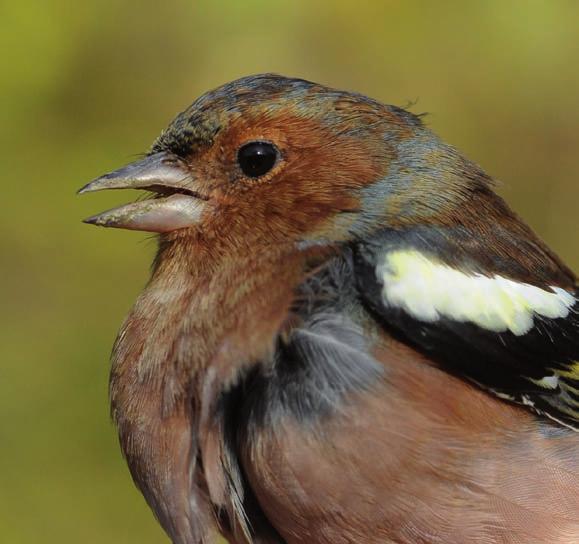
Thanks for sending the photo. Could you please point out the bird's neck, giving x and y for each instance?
(206, 309)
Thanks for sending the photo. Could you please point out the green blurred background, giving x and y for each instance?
(86, 86)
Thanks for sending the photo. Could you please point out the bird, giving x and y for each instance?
(347, 337)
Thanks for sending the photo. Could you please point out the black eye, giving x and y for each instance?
(256, 158)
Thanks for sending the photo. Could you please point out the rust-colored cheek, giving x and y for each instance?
(313, 191)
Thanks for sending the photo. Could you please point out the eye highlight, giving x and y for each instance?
(257, 158)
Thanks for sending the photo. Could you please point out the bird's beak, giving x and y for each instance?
(177, 204)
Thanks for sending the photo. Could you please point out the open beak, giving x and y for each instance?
(177, 204)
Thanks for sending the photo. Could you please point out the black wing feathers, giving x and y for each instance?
(512, 366)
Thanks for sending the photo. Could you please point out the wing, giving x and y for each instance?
(507, 328)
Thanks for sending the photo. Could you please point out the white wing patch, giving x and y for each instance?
(429, 290)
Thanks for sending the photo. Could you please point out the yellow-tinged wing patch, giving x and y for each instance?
(429, 290)
(475, 316)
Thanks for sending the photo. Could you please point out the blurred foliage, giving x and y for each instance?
(87, 86)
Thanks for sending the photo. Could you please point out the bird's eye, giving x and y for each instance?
(257, 158)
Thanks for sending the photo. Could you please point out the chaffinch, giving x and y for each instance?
(347, 337)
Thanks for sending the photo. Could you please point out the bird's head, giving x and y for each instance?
(269, 160)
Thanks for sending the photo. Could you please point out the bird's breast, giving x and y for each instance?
(191, 333)
(399, 451)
